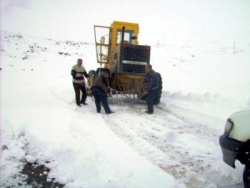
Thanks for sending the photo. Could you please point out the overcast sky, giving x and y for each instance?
(74, 19)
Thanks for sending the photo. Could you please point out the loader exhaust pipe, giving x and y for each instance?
(123, 30)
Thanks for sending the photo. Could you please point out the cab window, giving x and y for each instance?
(127, 36)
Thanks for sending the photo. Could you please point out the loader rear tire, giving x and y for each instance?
(91, 78)
(158, 98)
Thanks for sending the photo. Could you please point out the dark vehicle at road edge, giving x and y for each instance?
(235, 142)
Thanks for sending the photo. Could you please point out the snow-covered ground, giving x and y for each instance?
(175, 147)
(204, 81)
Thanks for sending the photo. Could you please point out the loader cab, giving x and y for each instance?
(124, 32)
(107, 39)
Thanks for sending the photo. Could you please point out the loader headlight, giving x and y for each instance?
(229, 126)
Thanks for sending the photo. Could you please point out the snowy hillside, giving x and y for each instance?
(175, 147)
(201, 49)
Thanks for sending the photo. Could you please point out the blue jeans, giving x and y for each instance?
(100, 98)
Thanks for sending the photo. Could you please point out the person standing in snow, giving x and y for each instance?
(78, 73)
(100, 89)
(152, 81)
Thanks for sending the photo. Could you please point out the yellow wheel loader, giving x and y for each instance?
(118, 52)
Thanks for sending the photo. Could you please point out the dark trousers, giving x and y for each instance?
(100, 98)
(151, 96)
(78, 89)
(158, 96)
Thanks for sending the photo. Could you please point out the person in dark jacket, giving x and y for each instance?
(153, 83)
(100, 89)
(78, 73)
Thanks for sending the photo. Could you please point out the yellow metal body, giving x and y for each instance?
(112, 53)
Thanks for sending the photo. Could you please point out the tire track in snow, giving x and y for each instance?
(195, 123)
(144, 136)
(203, 126)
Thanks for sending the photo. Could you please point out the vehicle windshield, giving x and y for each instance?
(127, 36)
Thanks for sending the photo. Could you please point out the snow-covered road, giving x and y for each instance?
(177, 146)
(179, 140)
